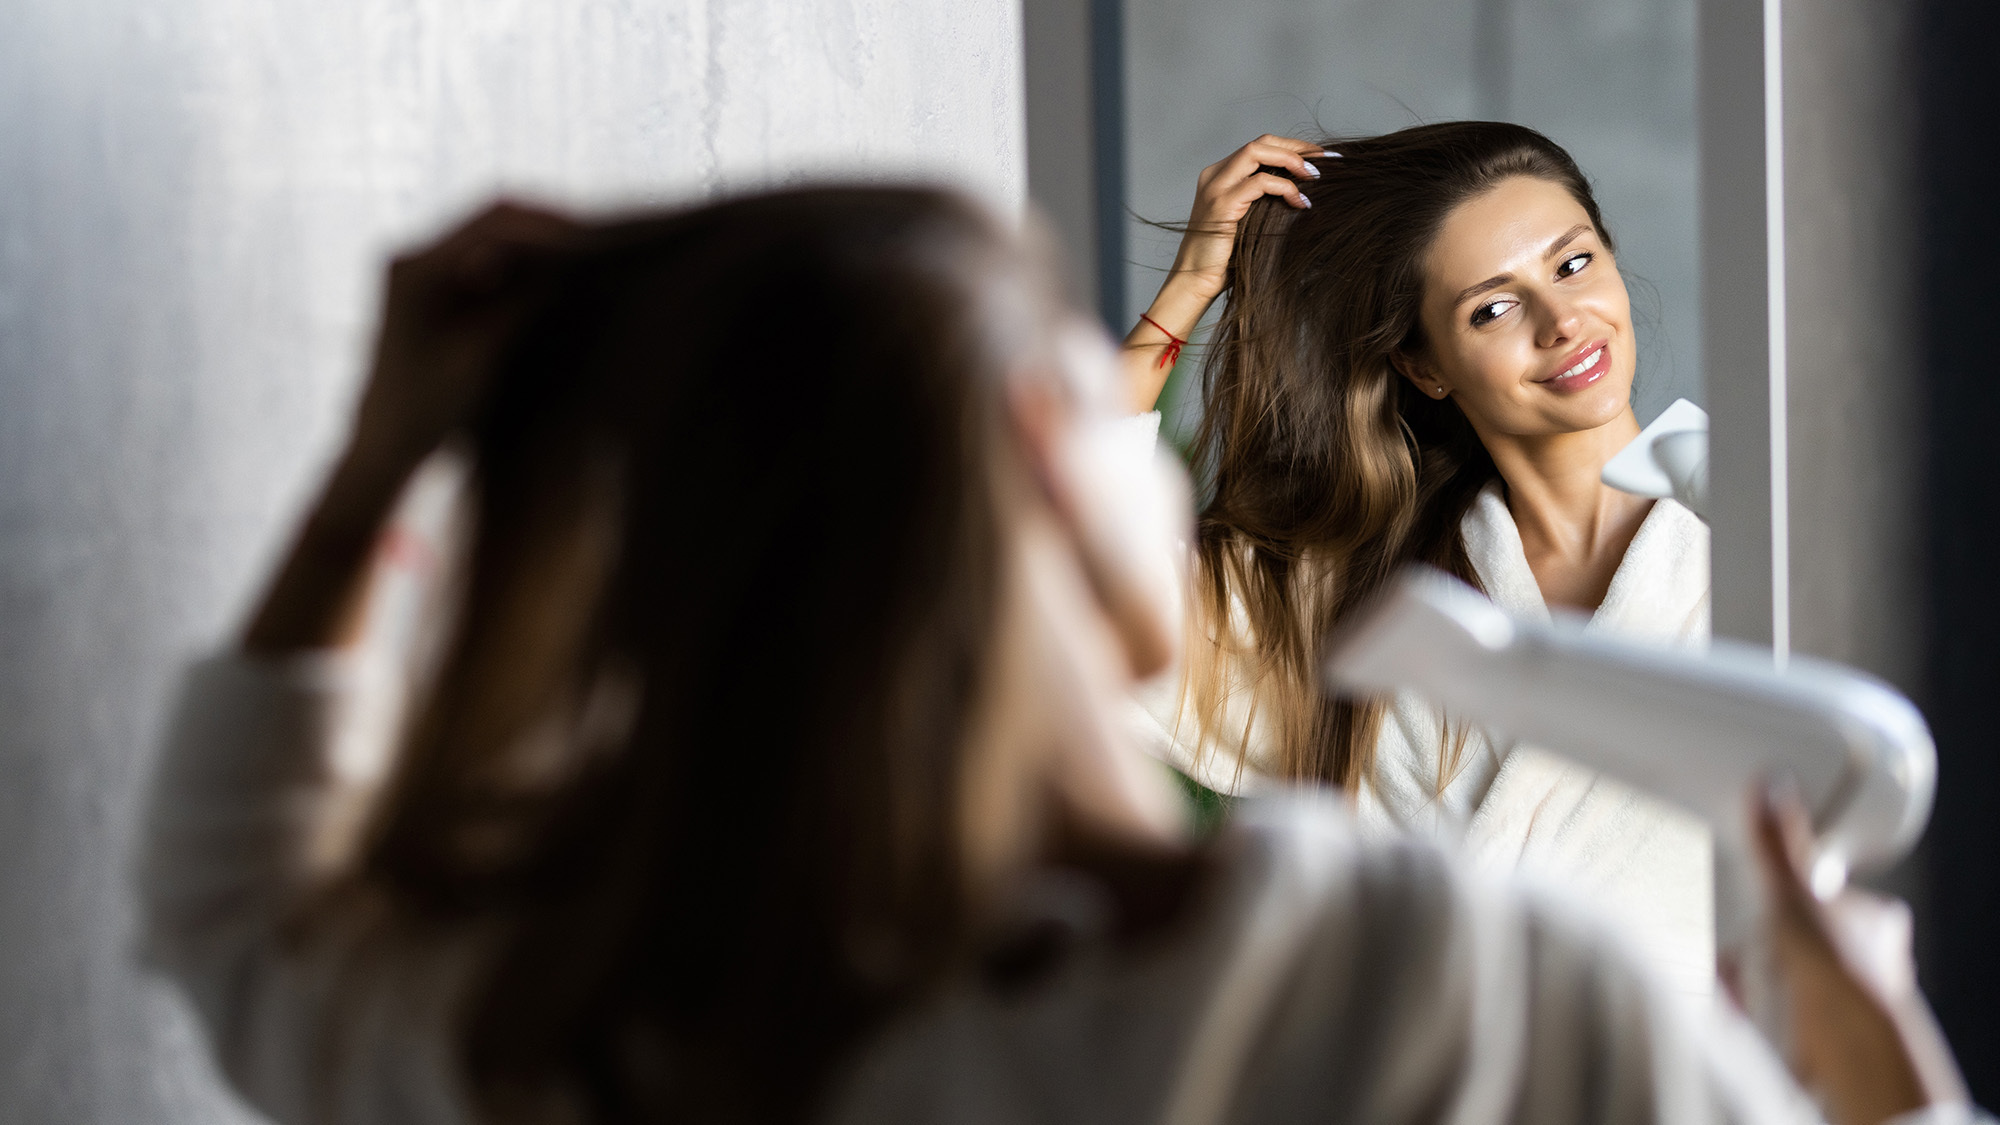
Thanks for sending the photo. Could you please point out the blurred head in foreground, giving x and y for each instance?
(798, 598)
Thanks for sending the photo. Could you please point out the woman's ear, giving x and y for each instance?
(1420, 374)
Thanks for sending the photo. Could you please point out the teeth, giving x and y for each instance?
(1583, 365)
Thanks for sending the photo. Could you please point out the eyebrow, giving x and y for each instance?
(1498, 280)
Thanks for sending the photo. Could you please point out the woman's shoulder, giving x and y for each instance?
(1311, 962)
(1661, 587)
(1493, 546)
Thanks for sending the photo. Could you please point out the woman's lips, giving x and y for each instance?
(1582, 369)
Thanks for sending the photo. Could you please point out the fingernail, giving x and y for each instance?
(1329, 152)
(1307, 203)
(1310, 170)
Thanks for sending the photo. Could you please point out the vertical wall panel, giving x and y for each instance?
(1063, 151)
(1736, 276)
(1856, 401)
(194, 201)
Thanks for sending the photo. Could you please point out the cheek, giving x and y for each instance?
(1473, 362)
(1492, 361)
(1614, 305)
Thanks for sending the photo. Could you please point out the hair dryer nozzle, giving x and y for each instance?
(1668, 458)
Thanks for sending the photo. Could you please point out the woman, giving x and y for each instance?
(771, 768)
(1426, 356)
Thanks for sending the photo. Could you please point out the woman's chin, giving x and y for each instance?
(1536, 412)
(1587, 408)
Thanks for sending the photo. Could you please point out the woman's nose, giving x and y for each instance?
(1561, 323)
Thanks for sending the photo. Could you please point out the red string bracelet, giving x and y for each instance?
(1173, 353)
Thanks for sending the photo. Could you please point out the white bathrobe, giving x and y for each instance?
(1318, 976)
(1646, 866)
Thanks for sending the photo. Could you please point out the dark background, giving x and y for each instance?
(1958, 72)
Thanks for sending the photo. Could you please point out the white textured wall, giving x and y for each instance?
(194, 198)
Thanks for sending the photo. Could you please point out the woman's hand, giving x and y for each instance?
(1861, 1034)
(449, 310)
(1223, 194)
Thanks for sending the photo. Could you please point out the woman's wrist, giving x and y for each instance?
(315, 598)
(1181, 303)
(363, 486)
(1156, 338)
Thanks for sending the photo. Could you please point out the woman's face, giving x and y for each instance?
(1526, 320)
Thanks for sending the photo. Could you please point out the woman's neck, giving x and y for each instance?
(1574, 528)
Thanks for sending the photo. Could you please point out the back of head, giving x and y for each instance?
(692, 753)
(1329, 471)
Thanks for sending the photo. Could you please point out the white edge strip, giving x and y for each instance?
(1774, 235)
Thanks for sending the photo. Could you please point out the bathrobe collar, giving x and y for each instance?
(1660, 590)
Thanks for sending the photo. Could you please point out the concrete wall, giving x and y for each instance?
(194, 200)
(1612, 80)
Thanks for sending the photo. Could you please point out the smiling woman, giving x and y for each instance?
(1425, 356)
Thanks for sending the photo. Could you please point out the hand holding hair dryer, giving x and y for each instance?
(1700, 729)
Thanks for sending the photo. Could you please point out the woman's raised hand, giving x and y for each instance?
(451, 307)
(1223, 194)
(448, 310)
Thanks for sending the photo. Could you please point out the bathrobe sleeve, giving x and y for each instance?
(253, 816)
(1330, 978)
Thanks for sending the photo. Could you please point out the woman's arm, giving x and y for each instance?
(254, 807)
(1223, 193)
(448, 310)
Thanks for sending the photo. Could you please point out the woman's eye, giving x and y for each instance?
(1490, 311)
(1573, 265)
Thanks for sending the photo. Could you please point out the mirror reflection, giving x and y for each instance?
(1428, 286)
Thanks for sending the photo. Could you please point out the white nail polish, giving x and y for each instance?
(1310, 170)
(1307, 202)
(1330, 152)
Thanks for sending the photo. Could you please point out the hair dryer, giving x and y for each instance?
(1697, 728)
(1668, 458)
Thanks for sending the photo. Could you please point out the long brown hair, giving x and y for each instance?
(1330, 471)
(692, 754)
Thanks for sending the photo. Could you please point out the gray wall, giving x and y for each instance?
(1856, 402)
(194, 199)
(1611, 80)
(1859, 413)
(1063, 152)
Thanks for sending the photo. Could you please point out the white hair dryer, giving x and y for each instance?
(1668, 458)
(1699, 729)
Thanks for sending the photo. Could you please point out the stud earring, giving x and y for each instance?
(1440, 390)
